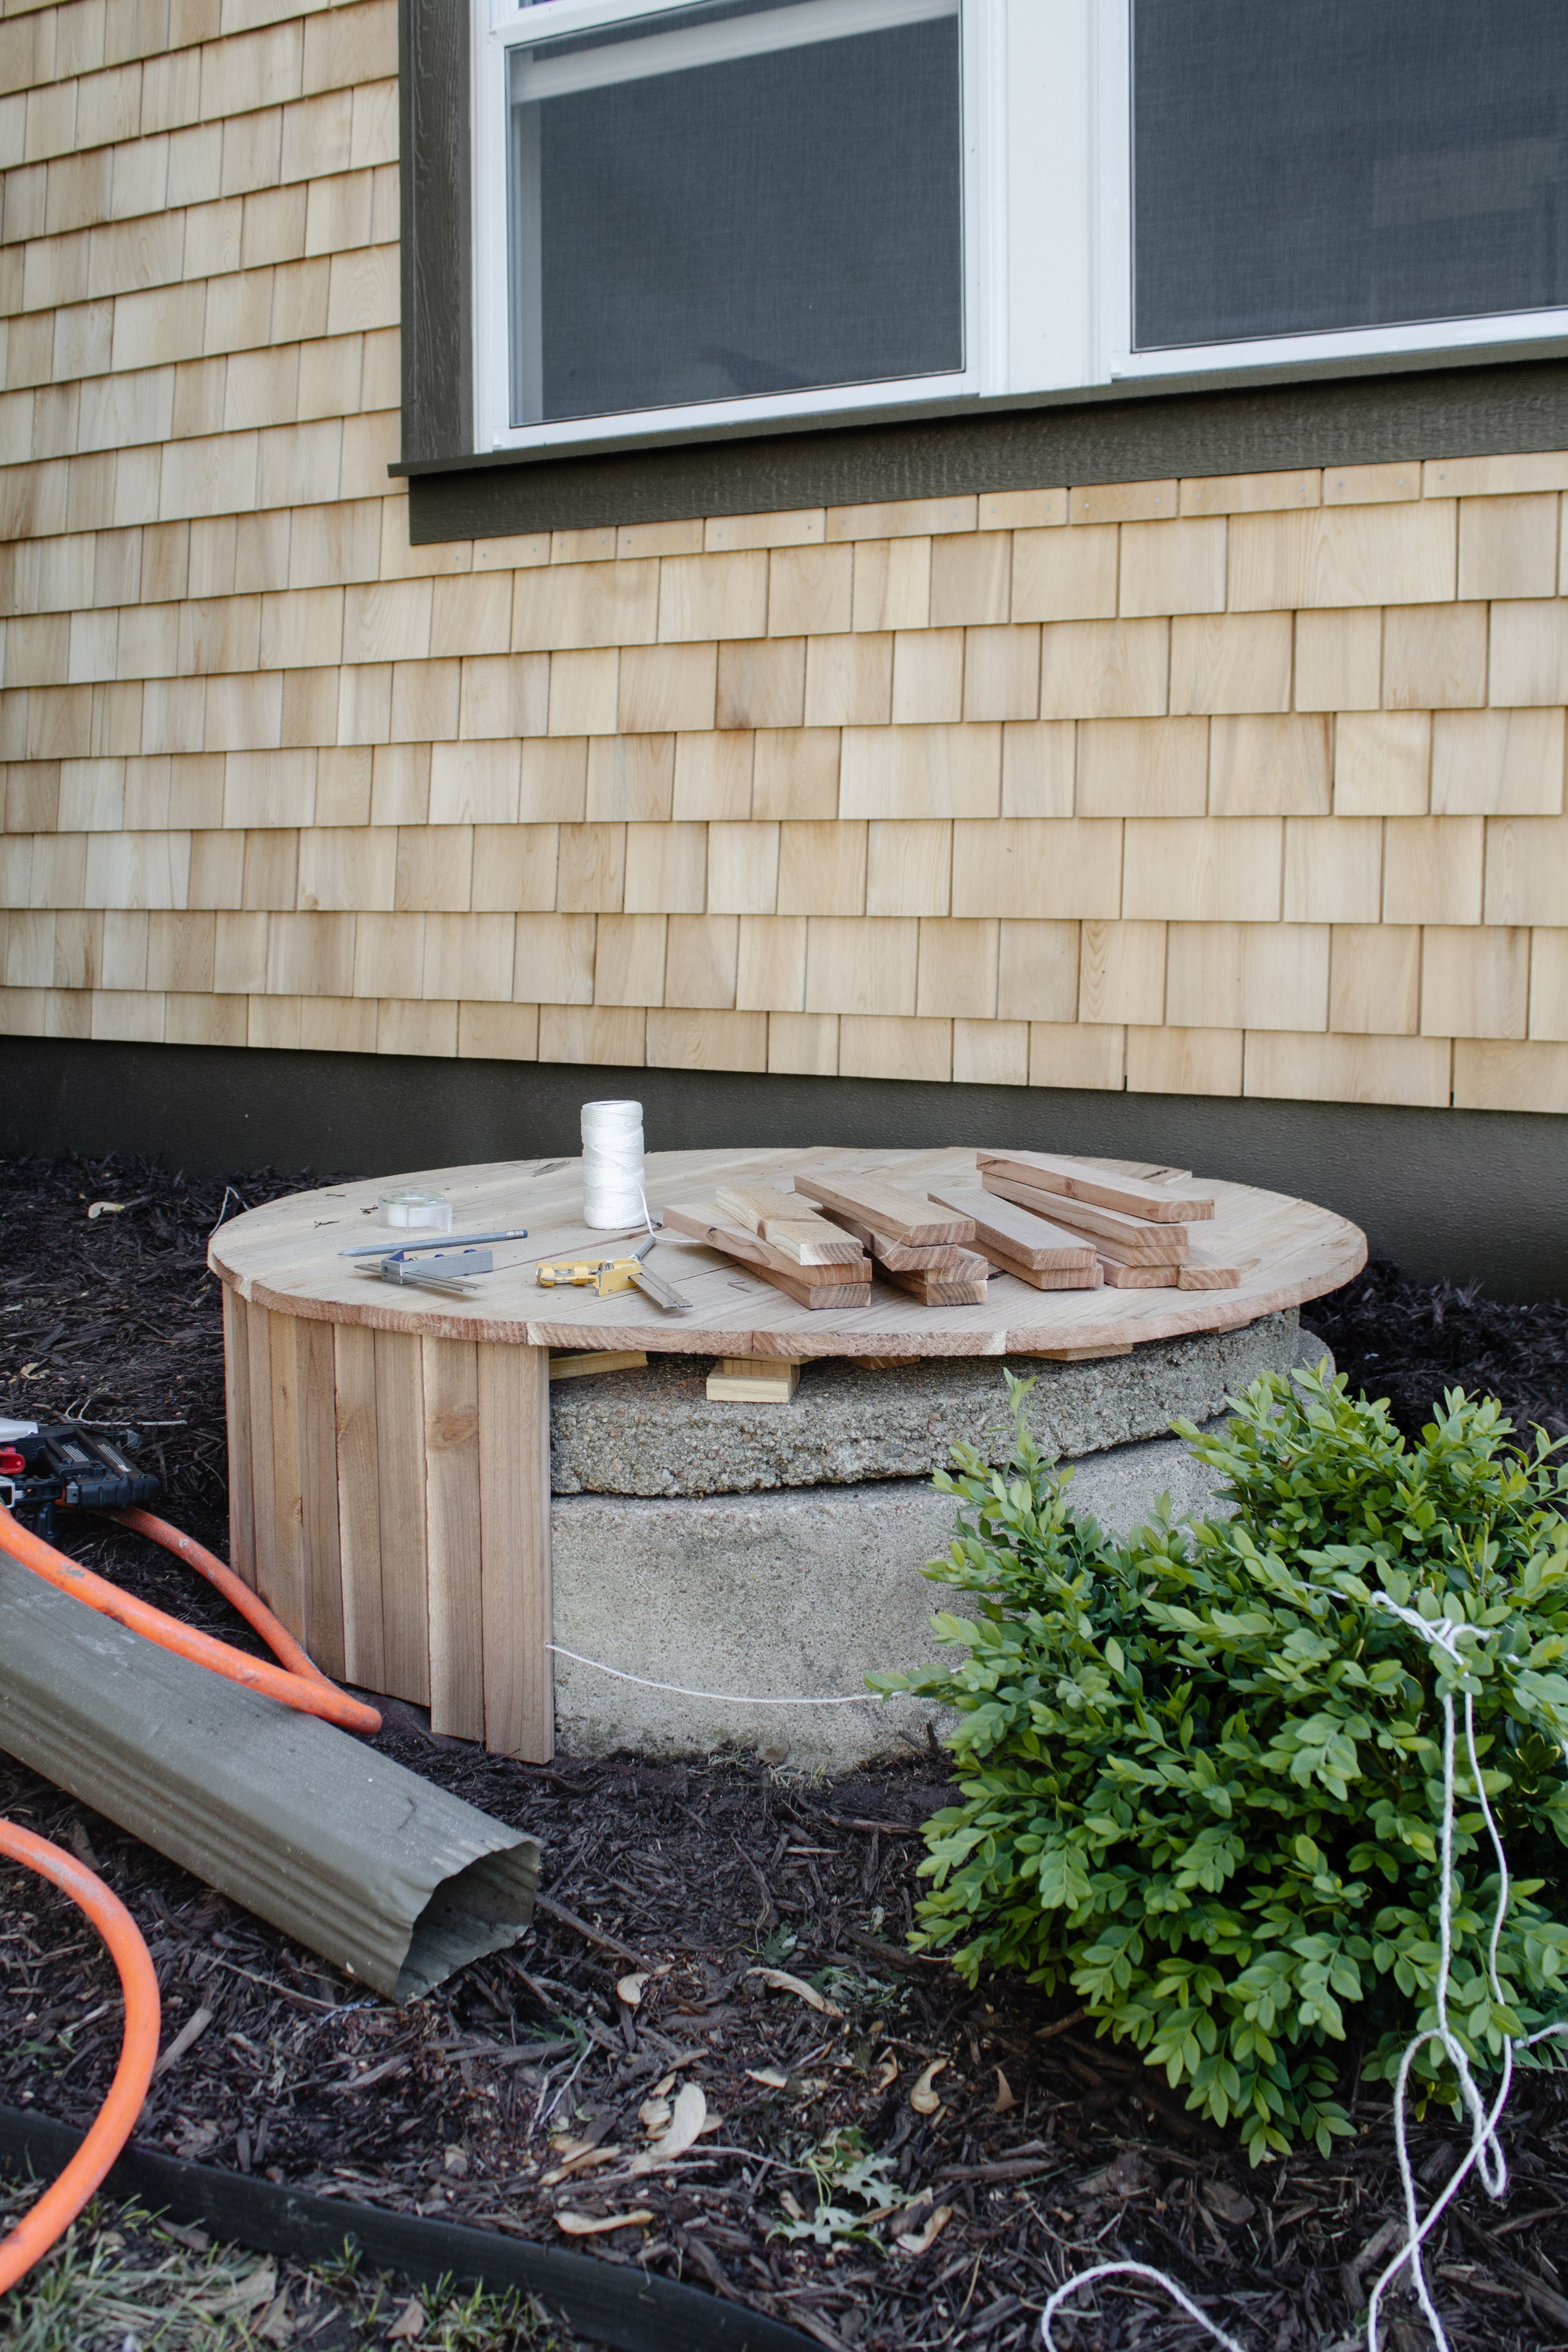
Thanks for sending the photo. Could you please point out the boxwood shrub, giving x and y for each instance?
(1200, 1769)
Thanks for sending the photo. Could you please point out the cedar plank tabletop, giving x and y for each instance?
(284, 1257)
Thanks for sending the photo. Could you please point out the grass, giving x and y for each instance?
(121, 2280)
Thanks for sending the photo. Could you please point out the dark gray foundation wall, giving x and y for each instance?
(1474, 1195)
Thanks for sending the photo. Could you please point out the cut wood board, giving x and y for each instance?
(1087, 1277)
(576, 1367)
(887, 1208)
(754, 1379)
(1024, 1238)
(789, 1223)
(900, 1257)
(805, 1283)
(940, 1289)
(1118, 1276)
(1129, 1239)
(1203, 1274)
(1132, 1195)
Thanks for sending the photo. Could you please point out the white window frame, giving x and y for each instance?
(1048, 228)
(500, 27)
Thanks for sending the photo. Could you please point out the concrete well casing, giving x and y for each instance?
(799, 1585)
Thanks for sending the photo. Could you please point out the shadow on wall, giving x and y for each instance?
(1461, 1194)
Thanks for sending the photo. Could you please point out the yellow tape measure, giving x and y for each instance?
(600, 1274)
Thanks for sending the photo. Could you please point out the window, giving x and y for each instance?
(699, 212)
(1335, 168)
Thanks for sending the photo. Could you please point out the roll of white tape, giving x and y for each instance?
(612, 1195)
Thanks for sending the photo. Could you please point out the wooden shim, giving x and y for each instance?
(809, 1286)
(237, 1410)
(1201, 1274)
(577, 1365)
(1119, 1276)
(452, 1529)
(754, 1380)
(1023, 1238)
(1071, 1178)
(1113, 1235)
(1077, 1355)
(359, 1505)
(904, 1216)
(1048, 1277)
(789, 1222)
(882, 1363)
(516, 1599)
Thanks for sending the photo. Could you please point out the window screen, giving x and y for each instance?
(1338, 163)
(750, 199)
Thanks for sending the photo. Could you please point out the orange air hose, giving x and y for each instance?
(60, 2203)
(295, 1681)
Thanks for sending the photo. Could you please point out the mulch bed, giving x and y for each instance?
(515, 2092)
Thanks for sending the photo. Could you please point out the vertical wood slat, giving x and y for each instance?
(400, 1482)
(236, 1406)
(258, 1352)
(359, 1505)
(323, 1583)
(284, 1587)
(514, 1515)
(453, 1538)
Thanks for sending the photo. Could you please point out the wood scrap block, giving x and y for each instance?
(789, 1222)
(901, 1257)
(1047, 1277)
(1203, 1273)
(701, 1221)
(961, 1285)
(902, 1216)
(1023, 1238)
(940, 1289)
(754, 1380)
(1133, 1195)
(1119, 1276)
(816, 1243)
(1129, 1239)
(569, 1366)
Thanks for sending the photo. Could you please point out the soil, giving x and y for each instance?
(1013, 2148)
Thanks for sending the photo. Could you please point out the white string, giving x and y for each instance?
(613, 1194)
(1131, 2269)
(1485, 2154)
(725, 1698)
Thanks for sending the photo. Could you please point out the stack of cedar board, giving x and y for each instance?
(824, 1259)
(1056, 1224)
(1138, 1233)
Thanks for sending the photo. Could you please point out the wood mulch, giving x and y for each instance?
(1012, 2148)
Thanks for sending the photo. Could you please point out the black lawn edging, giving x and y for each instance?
(625, 2307)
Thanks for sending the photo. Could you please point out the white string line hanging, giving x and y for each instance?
(726, 1698)
(1485, 2154)
(613, 1194)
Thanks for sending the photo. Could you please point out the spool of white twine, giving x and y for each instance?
(612, 1195)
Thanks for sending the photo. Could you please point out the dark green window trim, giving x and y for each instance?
(1493, 400)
